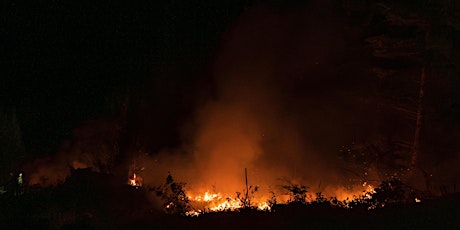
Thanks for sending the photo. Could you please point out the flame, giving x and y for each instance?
(207, 197)
(368, 190)
(264, 206)
(216, 202)
(228, 204)
(135, 181)
(193, 213)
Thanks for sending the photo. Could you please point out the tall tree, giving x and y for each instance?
(412, 44)
(11, 145)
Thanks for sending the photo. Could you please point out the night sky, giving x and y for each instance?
(306, 65)
(62, 61)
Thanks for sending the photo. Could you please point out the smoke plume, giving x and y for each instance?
(278, 110)
(281, 109)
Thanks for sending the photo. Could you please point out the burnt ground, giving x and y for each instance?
(90, 200)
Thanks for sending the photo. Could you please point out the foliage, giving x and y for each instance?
(380, 152)
(272, 201)
(249, 195)
(175, 200)
(389, 192)
(297, 192)
(333, 201)
(320, 199)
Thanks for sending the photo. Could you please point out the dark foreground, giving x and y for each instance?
(101, 202)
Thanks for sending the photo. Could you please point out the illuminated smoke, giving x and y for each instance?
(278, 111)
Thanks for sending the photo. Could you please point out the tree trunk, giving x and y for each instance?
(418, 124)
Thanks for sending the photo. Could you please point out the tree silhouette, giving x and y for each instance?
(297, 192)
(175, 200)
(11, 145)
(413, 47)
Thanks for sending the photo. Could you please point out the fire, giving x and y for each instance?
(368, 190)
(228, 204)
(199, 201)
(208, 201)
(193, 213)
(135, 181)
(206, 197)
(264, 206)
(216, 202)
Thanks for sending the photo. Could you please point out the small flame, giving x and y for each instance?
(368, 190)
(135, 181)
(263, 206)
(193, 213)
(417, 200)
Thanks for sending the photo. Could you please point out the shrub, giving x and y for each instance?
(175, 200)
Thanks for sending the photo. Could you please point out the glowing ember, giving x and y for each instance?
(417, 200)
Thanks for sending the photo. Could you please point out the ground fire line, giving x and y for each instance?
(213, 201)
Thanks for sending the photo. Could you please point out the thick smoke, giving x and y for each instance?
(279, 109)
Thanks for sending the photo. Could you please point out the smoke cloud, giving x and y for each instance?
(279, 109)
(282, 107)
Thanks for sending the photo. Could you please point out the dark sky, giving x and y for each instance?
(62, 60)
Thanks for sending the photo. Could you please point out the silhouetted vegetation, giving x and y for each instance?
(297, 192)
(93, 200)
(173, 196)
(248, 196)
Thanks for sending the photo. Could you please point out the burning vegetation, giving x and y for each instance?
(295, 114)
(177, 199)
